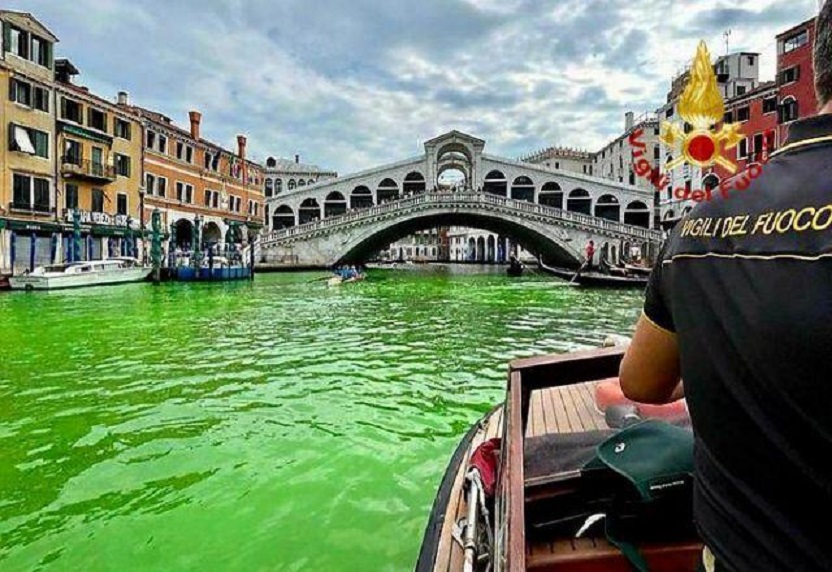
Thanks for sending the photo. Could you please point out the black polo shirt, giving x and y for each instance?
(745, 282)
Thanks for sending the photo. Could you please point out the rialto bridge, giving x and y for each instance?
(548, 211)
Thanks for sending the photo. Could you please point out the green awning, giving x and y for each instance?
(2, 223)
(85, 133)
(33, 225)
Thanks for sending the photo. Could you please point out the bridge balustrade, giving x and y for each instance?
(465, 199)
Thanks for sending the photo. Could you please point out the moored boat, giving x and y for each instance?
(539, 517)
(214, 269)
(597, 279)
(118, 270)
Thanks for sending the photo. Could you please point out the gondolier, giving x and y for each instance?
(739, 306)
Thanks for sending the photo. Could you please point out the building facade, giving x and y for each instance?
(563, 158)
(615, 160)
(795, 75)
(29, 223)
(198, 186)
(99, 166)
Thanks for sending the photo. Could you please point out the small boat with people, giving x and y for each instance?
(515, 267)
(118, 270)
(345, 275)
(563, 477)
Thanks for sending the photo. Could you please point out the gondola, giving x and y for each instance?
(638, 270)
(564, 273)
(596, 279)
(515, 269)
(550, 400)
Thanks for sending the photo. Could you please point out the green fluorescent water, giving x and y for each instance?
(274, 425)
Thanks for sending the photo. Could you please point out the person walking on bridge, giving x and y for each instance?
(744, 318)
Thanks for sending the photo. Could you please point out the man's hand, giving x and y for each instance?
(649, 372)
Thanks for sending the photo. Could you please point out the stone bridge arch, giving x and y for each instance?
(549, 242)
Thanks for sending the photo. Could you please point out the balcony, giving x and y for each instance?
(84, 169)
(30, 208)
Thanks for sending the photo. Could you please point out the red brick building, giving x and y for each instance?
(767, 111)
(795, 75)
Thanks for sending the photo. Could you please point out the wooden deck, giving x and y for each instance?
(568, 409)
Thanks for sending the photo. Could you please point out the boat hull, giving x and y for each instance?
(188, 274)
(606, 281)
(103, 278)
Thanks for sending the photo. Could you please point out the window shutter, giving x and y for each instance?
(63, 107)
(47, 48)
(12, 90)
(7, 37)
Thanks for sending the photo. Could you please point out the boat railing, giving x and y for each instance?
(462, 200)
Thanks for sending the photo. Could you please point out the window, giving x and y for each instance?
(73, 153)
(18, 41)
(180, 150)
(632, 178)
(216, 200)
(41, 99)
(122, 165)
(121, 204)
(162, 187)
(742, 151)
(71, 197)
(97, 119)
(656, 152)
(122, 129)
(97, 201)
(30, 193)
(770, 104)
(71, 110)
(743, 113)
(751, 60)
(208, 198)
(795, 41)
(669, 112)
(180, 191)
(790, 75)
(189, 154)
(184, 192)
(41, 52)
(729, 117)
(206, 160)
(740, 90)
(149, 183)
(151, 140)
(789, 110)
(557, 165)
(758, 146)
(41, 142)
(163, 144)
(20, 92)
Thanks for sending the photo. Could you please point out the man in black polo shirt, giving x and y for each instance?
(740, 306)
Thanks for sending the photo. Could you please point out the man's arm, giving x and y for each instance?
(649, 372)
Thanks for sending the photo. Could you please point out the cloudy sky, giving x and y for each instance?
(350, 84)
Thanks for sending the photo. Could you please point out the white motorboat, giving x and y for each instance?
(78, 274)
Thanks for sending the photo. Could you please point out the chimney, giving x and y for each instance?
(628, 121)
(196, 118)
(123, 98)
(297, 158)
(241, 151)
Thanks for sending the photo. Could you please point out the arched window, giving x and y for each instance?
(387, 191)
(522, 189)
(789, 110)
(335, 204)
(269, 187)
(361, 198)
(710, 182)
(551, 195)
(271, 162)
(309, 211)
(284, 217)
(278, 186)
(301, 183)
(291, 185)
(637, 214)
(310, 182)
(414, 184)
(608, 207)
(579, 201)
(496, 184)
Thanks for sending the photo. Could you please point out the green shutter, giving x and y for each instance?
(7, 37)
(50, 62)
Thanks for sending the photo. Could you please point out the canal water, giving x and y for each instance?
(274, 425)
